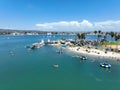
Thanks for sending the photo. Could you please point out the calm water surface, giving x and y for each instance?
(33, 69)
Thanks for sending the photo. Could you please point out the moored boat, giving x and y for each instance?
(105, 65)
(83, 58)
(56, 65)
(37, 45)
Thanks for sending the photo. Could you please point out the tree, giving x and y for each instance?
(79, 35)
(99, 37)
(104, 40)
(99, 34)
(112, 34)
(117, 37)
(83, 36)
(99, 31)
(95, 32)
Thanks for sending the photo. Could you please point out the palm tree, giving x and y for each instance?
(99, 37)
(117, 37)
(79, 35)
(104, 39)
(95, 32)
(112, 34)
(99, 34)
(83, 36)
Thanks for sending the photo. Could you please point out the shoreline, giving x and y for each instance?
(94, 52)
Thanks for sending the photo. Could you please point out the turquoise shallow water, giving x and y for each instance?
(33, 69)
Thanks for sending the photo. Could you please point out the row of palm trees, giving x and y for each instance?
(99, 34)
(114, 36)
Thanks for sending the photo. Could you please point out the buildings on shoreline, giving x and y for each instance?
(31, 32)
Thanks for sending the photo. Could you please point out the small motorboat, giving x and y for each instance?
(83, 58)
(105, 65)
(56, 65)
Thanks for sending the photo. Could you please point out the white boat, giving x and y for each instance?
(83, 58)
(38, 45)
(56, 65)
(105, 65)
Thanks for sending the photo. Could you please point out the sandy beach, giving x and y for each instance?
(95, 52)
(113, 46)
(101, 53)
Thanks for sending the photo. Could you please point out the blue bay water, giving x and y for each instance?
(33, 69)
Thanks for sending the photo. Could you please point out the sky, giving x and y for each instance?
(60, 15)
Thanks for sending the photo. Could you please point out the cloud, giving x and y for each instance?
(108, 25)
(84, 25)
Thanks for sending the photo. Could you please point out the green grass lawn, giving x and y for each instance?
(112, 43)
